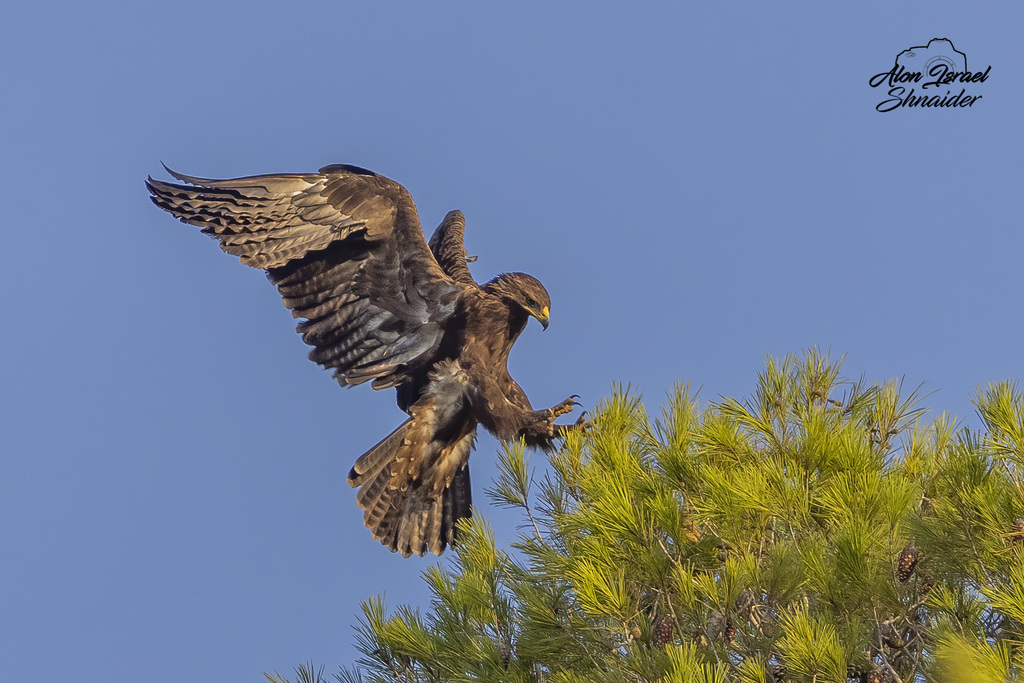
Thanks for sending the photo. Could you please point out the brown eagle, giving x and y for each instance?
(345, 248)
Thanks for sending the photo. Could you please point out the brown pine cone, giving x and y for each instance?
(744, 601)
(716, 624)
(663, 628)
(908, 560)
(1018, 531)
(730, 630)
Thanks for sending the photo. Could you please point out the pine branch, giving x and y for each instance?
(736, 541)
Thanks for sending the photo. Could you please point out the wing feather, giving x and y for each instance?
(345, 248)
(447, 245)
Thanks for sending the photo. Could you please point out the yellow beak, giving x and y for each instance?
(543, 317)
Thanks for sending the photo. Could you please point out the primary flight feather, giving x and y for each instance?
(378, 303)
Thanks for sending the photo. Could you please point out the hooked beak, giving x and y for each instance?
(543, 317)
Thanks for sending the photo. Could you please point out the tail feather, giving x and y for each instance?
(458, 501)
(380, 507)
(368, 465)
(373, 490)
(387, 532)
(411, 527)
(414, 520)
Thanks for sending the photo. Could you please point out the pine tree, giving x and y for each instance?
(822, 531)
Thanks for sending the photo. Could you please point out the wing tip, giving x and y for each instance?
(455, 215)
(347, 168)
(191, 180)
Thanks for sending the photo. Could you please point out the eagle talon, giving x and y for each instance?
(563, 408)
(582, 423)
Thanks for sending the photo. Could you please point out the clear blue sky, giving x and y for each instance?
(697, 187)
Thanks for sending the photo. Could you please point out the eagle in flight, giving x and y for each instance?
(379, 304)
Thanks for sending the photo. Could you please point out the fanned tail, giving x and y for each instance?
(405, 513)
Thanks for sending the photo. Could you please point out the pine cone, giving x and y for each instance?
(778, 672)
(875, 676)
(663, 630)
(744, 601)
(716, 624)
(730, 630)
(927, 584)
(1017, 537)
(908, 560)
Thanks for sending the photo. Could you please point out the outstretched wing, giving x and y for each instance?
(447, 245)
(345, 248)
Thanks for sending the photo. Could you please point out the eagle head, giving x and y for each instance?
(524, 291)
